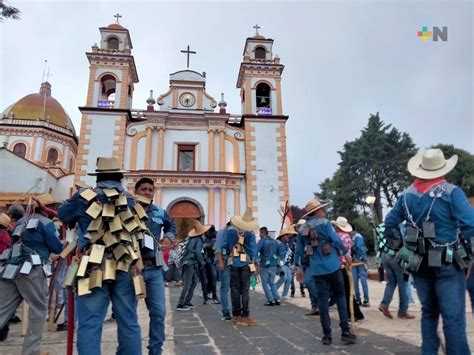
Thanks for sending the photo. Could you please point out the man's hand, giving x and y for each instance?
(348, 260)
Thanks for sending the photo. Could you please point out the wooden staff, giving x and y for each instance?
(24, 318)
(348, 269)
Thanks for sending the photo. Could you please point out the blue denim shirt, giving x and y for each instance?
(43, 240)
(250, 246)
(319, 263)
(219, 240)
(449, 209)
(158, 219)
(267, 249)
(359, 249)
(74, 210)
(193, 253)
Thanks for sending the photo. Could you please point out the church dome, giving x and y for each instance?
(40, 106)
(116, 26)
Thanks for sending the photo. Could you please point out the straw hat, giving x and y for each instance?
(199, 229)
(81, 185)
(342, 224)
(287, 230)
(4, 220)
(431, 164)
(313, 205)
(107, 165)
(246, 222)
(46, 199)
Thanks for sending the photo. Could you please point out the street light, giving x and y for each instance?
(370, 200)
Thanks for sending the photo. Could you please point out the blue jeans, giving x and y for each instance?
(360, 273)
(286, 280)
(470, 289)
(225, 287)
(189, 284)
(91, 311)
(443, 293)
(156, 304)
(311, 286)
(267, 275)
(395, 277)
(332, 284)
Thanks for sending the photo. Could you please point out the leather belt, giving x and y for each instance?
(149, 262)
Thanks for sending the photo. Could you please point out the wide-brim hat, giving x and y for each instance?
(107, 165)
(431, 164)
(245, 222)
(5, 220)
(287, 231)
(342, 224)
(314, 205)
(199, 229)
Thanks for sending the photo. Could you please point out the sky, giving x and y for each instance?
(343, 61)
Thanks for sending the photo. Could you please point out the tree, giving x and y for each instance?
(8, 12)
(463, 174)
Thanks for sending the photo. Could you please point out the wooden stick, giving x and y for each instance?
(24, 318)
(52, 311)
(351, 295)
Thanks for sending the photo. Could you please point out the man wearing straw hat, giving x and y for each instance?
(92, 308)
(193, 261)
(25, 275)
(285, 261)
(152, 256)
(435, 248)
(240, 244)
(267, 249)
(318, 240)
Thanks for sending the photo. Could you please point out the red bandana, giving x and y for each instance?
(423, 185)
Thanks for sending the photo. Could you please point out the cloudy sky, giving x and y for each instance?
(344, 60)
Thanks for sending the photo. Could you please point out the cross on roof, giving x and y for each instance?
(188, 52)
(257, 27)
(117, 16)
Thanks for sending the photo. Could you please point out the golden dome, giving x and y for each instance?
(41, 106)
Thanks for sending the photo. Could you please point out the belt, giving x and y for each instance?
(149, 262)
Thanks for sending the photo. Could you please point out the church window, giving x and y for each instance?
(52, 156)
(20, 149)
(71, 165)
(113, 43)
(186, 157)
(263, 95)
(260, 53)
(107, 91)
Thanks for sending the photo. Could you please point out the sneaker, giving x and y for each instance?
(327, 340)
(190, 305)
(385, 311)
(406, 316)
(215, 301)
(285, 297)
(183, 308)
(247, 321)
(277, 303)
(366, 304)
(205, 300)
(166, 284)
(227, 317)
(14, 320)
(314, 312)
(61, 327)
(4, 333)
(269, 303)
(348, 338)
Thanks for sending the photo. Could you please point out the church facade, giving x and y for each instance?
(206, 163)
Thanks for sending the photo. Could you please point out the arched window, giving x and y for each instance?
(52, 156)
(71, 165)
(263, 95)
(107, 91)
(113, 43)
(20, 149)
(260, 53)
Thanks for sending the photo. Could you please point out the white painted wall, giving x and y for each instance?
(174, 137)
(268, 201)
(229, 157)
(39, 148)
(126, 156)
(243, 197)
(63, 187)
(229, 211)
(141, 149)
(154, 149)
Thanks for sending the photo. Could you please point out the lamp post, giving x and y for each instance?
(370, 200)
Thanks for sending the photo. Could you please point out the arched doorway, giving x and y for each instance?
(184, 212)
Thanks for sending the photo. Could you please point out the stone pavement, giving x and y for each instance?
(281, 330)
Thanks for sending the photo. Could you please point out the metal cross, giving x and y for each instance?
(117, 16)
(188, 52)
(257, 27)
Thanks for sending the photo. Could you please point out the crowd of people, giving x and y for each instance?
(131, 251)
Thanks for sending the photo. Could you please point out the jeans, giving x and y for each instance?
(156, 304)
(202, 276)
(189, 284)
(91, 311)
(470, 289)
(411, 300)
(267, 276)
(311, 286)
(286, 280)
(225, 286)
(360, 273)
(239, 290)
(173, 273)
(395, 277)
(443, 292)
(325, 284)
(211, 275)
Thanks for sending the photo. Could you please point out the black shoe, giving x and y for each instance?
(327, 340)
(277, 303)
(348, 338)
(227, 317)
(4, 333)
(61, 327)
(366, 304)
(14, 320)
(190, 305)
(183, 308)
(292, 295)
(303, 294)
(358, 302)
(204, 301)
(269, 303)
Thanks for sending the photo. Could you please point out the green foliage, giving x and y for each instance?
(463, 174)
(8, 12)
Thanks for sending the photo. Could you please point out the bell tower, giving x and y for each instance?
(259, 81)
(112, 76)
